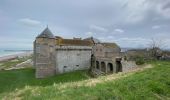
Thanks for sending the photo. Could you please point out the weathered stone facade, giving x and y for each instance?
(44, 57)
(55, 55)
(108, 59)
(69, 58)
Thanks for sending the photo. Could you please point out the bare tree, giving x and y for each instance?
(155, 47)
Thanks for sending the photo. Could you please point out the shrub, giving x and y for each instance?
(140, 61)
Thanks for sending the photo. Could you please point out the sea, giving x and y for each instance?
(9, 52)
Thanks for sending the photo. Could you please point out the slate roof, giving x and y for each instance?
(46, 34)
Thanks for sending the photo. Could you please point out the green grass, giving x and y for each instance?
(12, 79)
(150, 84)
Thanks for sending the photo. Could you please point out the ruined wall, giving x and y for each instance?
(98, 50)
(69, 58)
(109, 52)
(112, 52)
(128, 65)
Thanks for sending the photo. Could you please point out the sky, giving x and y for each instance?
(129, 23)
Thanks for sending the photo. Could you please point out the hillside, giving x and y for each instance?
(150, 82)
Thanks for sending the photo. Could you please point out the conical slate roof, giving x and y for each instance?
(46, 34)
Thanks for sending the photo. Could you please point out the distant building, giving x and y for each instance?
(55, 55)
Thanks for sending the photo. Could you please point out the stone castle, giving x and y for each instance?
(55, 55)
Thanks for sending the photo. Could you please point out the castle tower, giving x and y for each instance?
(44, 54)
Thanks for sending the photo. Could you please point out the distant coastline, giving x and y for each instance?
(12, 54)
(18, 50)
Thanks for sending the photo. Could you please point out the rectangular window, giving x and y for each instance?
(51, 48)
(37, 49)
(78, 54)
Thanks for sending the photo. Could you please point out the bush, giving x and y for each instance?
(140, 61)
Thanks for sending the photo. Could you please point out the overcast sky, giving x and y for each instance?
(129, 23)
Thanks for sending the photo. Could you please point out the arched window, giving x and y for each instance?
(103, 67)
(110, 68)
(97, 65)
(118, 66)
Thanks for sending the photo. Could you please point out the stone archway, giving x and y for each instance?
(97, 65)
(118, 66)
(110, 68)
(103, 67)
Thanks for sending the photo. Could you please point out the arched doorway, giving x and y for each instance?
(92, 60)
(110, 68)
(103, 66)
(97, 65)
(118, 66)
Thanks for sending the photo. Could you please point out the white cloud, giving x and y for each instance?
(16, 43)
(156, 27)
(99, 18)
(29, 22)
(98, 28)
(126, 41)
(109, 38)
(138, 42)
(89, 33)
(162, 35)
(119, 30)
(159, 26)
(134, 18)
(139, 10)
(137, 39)
(135, 11)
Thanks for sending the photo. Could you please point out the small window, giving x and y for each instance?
(51, 49)
(96, 49)
(38, 49)
(101, 50)
(65, 69)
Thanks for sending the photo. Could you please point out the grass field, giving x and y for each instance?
(152, 84)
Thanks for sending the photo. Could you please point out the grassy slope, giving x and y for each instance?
(12, 63)
(18, 79)
(149, 84)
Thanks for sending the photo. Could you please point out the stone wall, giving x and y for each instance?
(109, 52)
(128, 65)
(69, 58)
(44, 70)
(44, 60)
(98, 50)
